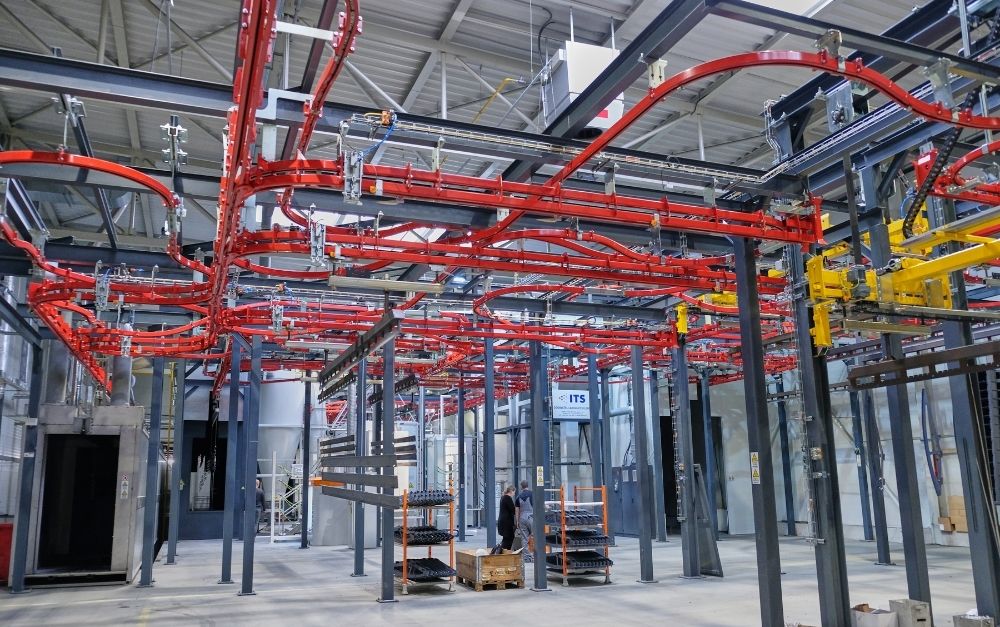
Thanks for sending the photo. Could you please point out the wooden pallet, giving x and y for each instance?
(496, 585)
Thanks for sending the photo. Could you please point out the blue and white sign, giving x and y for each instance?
(570, 405)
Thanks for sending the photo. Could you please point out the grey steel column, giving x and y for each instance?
(874, 452)
(377, 389)
(710, 464)
(489, 444)
(596, 447)
(121, 380)
(232, 455)
(177, 470)
(858, 435)
(250, 477)
(540, 478)
(659, 490)
(911, 521)
(57, 373)
(687, 514)
(642, 461)
(422, 438)
(786, 458)
(606, 435)
(26, 478)
(460, 422)
(758, 434)
(984, 545)
(359, 450)
(993, 411)
(821, 463)
(151, 503)
(388, 588)
(306, 462)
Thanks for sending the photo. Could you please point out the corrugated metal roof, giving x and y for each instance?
(498, 38)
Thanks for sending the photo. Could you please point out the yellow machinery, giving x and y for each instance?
(913, 283)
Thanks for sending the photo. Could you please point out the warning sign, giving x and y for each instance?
(539, 475)
(755, 467)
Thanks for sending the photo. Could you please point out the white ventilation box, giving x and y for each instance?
(568, 74)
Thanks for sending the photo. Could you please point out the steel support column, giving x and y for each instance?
(489, 444)
(177, 465)
(758, 435)
(874, 452)
(250, 473)
(460, 424)
(540, 479)
(151, 503)
(970, 440)
(687, 514)
(858, 434)
(388, 434)
(642, 462)
(898, 404)
(26, 476)
(596, 435)
(422, 438)
(821, 464)
(705, 391)
(659, 490)
(606, 435)
(359, 450)
(232, 446)
(786, 458)
(306, 462)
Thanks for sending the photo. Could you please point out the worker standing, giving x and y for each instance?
(524, 508)
(507, 520)
(259, 504)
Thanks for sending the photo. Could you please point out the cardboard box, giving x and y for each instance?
(911, 613)
(946, 525)
(864, 616)
(973, 621)
(961, 525)
(956, 504)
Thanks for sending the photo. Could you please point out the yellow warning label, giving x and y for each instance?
(755, 467)
(755, 476)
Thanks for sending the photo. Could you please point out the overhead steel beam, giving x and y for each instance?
(160, 92)
(18, 206)
(955, 361)
(83, 143)
(823, 163)
(762, 15)
(675, 21)
(373, 339)
(206, 187)
(925, 26)
(17, 322)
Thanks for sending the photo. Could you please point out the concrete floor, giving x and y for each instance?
(313, 587)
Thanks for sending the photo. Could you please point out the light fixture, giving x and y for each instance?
(386, 285)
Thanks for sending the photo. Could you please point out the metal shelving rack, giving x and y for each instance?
(563, 528)
(428, 517)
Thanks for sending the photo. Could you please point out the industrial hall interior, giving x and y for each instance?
(536, 312)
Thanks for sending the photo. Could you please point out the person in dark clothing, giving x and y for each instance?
(259, 500)
(505, 521)
(524, 511)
